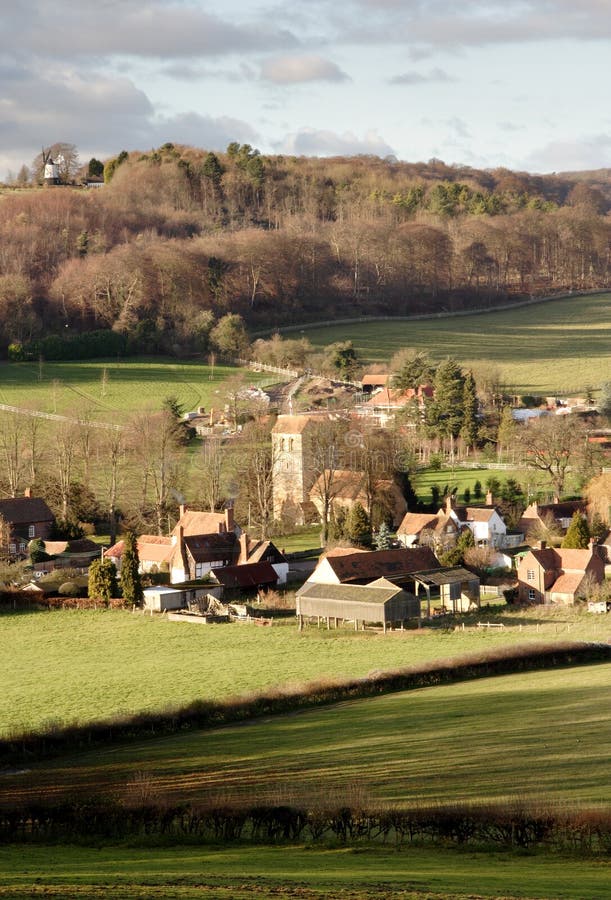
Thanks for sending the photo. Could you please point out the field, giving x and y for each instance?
(259, 873)
(107, 389)
(560, 346)
(543, 737)
(81, 665)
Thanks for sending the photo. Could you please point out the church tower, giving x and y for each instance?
(293, 469)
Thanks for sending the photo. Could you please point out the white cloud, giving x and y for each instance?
(316, 142)
(301, 68)
(414, 77)
(588, 152)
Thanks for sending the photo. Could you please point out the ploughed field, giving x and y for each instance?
(70, 666)
(555, 347)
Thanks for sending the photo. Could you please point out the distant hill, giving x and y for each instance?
(179, 237)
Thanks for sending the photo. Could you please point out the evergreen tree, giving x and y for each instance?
(358, 526)
(456, 556)
(445, 414)
(578, 534)
(383, 539)
(467, 495)
(470, 426)
(477, 490)
(102, 580)
(131, 584)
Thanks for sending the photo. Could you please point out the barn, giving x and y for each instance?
(380, 601)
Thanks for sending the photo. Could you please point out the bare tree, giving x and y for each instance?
(552, 444)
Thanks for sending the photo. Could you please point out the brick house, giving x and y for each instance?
(556, 575)
(25, 518)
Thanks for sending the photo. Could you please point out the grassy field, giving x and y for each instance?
(109, 388)
(543, 737)
(554, 347)
(259, 873)
(80, 665)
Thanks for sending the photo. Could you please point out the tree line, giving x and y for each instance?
(180, 237)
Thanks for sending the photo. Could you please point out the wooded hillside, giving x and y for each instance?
(179, 237)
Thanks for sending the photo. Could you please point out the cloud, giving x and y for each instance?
(161, 29)
(299, 69)
(315, 142)
(414, 78)
(588, 152)
(101, 115)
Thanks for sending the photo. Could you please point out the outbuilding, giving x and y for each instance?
(381, 601)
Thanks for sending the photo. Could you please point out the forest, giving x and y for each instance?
(178, 237)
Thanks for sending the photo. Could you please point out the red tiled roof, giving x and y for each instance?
(371, 564)
(414, 523)
(567, 584)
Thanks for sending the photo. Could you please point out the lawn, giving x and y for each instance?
(466, 478)
(105, 389)
(258, 873)
(560, 346)
(79, 665)
(543, 737)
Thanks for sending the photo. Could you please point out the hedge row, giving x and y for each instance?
(211, 714)
(89, 345)
(499, 826)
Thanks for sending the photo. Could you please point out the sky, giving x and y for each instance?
(485, 83)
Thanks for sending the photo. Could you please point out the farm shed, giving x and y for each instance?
(380, 601)
(249, 576)
(458, 588)
(160, 597)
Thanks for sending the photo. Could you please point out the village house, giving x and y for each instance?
(24, 519)
(383, 405)
(350, 565)
(485, 522)
(202, 542)
(558, 515)
(426, 529)
(348, 487)
(555, 575)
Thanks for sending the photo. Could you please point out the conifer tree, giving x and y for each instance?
(578, 534)
(358, 526)
(470, 426)
(131, 584)
(383, 540)
(102, 580)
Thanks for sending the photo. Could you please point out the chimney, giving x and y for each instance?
(229, 520)
(542, 545)
(243, 548)
(27, 492)
(449, 503)
(489, 499)
(182, 509)
(556, 499)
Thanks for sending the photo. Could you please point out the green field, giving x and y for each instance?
(79, 665)
(542, 737)
(560, 346)
(105, 389)
(259, 873)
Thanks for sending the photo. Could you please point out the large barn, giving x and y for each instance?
(378, 602)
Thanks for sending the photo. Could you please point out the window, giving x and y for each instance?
(530, 575)
(31, 531)
(531, 594)
(12, 548)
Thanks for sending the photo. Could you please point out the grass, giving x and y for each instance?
(556, 347)
(307, 538)
(244, 873)
(541, 737)
(463, 478)
(130, 385)
(81, 665)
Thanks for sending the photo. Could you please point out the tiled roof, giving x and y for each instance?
(567, 584)
(368, 565)
(25, 510)
(247, 575)
(414, 523)
(194, 521)
(210, 547)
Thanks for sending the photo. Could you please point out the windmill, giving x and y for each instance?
(51, 169)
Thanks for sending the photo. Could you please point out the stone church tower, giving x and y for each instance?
(294, 471)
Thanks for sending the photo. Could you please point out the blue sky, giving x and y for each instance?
(487, 83)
